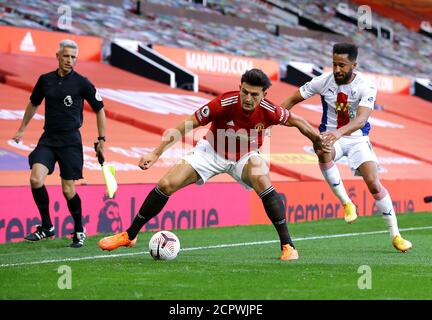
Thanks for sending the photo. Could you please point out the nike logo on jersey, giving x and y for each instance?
(230, 123)
(387, 213)
(336, 184)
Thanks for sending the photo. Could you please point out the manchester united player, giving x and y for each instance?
(238, 119)
(348, 100)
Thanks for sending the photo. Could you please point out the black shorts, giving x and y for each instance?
(70, 160)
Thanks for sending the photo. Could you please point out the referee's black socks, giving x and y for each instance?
(74, 206)
(152, 205)
(41, 198)
(275, 210)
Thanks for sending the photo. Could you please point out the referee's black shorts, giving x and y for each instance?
(69, 158)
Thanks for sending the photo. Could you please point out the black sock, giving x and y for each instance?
(152, 205)
(41, 198)
(74, 206)
(275, 210)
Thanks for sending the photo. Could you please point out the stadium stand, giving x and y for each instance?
(411, 51)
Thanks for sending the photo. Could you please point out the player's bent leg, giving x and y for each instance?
(179, 176)
(45, 230)
(369, 172)
(331, 174)
(255, 174)
(38, 174)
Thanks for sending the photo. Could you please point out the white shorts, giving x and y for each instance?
(204, 159)
(358, 150)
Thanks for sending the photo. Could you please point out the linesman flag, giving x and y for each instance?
(108, 172)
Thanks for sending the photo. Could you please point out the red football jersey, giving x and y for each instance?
(234, 132)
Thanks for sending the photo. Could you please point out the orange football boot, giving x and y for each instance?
(117, 240)
(288, 253)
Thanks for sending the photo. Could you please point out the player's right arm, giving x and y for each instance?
(201, 117)
(304, 92)
(28, 115)
(292, 100)
(170, 137)
(35, 100)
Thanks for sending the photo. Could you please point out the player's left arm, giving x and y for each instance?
(307, 130)
(100, 122)
(303, 126)
(94, 99)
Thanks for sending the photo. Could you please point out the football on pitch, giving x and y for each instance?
(164, 245)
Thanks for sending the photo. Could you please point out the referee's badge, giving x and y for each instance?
(98, 96)
(68, 101)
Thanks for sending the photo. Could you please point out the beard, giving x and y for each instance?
(345, 79)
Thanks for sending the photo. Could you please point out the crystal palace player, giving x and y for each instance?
(64, 91)
(348, 100)
(231, 145)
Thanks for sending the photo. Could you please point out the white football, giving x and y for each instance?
(164, 245)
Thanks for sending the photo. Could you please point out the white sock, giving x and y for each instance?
(333, 178)
(386, 207)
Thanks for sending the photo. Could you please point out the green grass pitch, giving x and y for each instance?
(233, 263)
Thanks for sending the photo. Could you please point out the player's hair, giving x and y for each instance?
(67, 43)
(255, 77)
(346, 48)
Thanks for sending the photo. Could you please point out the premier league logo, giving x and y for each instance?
(68, 101)
(109, 217)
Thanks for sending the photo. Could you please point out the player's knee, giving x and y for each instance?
(36, 181)
(68, 192)
(373, 185)
(260, 182)
(166, 186)
(257, 168)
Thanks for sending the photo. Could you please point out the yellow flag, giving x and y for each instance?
(110, 181)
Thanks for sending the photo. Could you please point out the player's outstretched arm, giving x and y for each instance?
(170, 137)
(292, 100)
(28, 115)
(308, 131)
(358, 122)
(304, 127)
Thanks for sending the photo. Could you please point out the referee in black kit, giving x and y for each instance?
(64, 91)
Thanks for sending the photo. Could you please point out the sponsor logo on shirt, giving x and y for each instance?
(342, 104)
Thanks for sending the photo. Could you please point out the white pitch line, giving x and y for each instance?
(206, 247)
